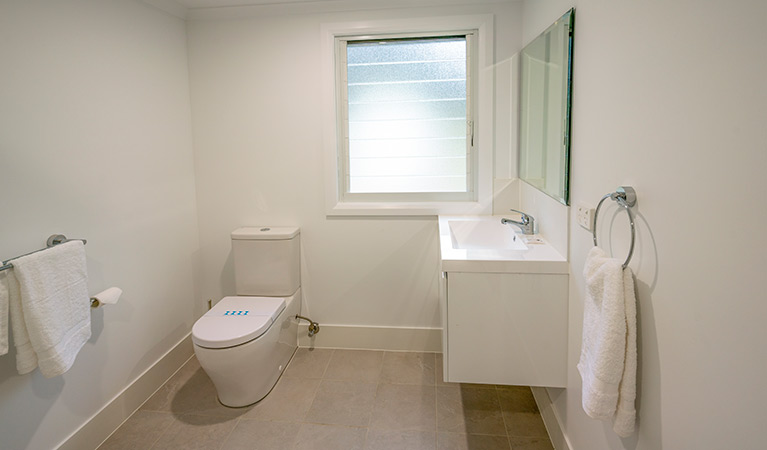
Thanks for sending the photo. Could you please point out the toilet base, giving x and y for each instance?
(246, 373)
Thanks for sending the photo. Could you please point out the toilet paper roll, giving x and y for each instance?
(109, 296)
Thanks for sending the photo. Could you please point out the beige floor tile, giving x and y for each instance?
(190, 432)
(482, 411)
(455, 441)
(308, 363)
(262, 435)
(289, 401)
(450, 409)
(329, 437)
(161, 400)
(190, 392)
(340, 399)
(527, 443)
(408, 368)
(342, 403)
(400, 440)
(355, 365)
(517, 399)
(525, 425)
(141, 430)
(404, 407)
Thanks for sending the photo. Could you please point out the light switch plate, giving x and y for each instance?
(584, 215)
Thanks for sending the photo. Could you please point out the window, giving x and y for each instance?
(405, 123)
(405, 117)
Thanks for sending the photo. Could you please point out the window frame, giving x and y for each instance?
(478, 199)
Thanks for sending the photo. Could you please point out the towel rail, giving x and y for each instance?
(626, 197)
(54, 239)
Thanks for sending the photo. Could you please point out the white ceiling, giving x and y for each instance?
(186, 9)
(221, 3)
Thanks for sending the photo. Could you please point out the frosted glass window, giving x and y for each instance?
(407, 128)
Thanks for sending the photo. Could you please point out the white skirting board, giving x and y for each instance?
(114, 413)
(551, 419)
(373, 338)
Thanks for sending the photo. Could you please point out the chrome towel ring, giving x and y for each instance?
(626, 197)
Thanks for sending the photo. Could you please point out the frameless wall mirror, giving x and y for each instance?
(544, 127)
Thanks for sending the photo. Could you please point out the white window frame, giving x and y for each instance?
(336, 203)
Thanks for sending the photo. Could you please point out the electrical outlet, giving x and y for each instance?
(584, 214)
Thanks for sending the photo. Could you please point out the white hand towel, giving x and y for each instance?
(55, 304)
(608, 352)
(4, 304)
(26, 359)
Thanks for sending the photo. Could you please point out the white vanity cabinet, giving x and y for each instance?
(504, 305)
(505, 328)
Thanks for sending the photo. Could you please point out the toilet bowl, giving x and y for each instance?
(245, 342)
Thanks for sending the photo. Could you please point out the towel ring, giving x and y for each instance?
(626, 197)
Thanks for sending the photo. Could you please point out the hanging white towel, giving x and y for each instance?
(4, 304)
(26, 359)
(608, 352)
(55, 304)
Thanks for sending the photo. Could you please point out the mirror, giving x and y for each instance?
(544, 120)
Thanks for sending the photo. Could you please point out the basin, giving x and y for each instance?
(484, 233)
(483, 244)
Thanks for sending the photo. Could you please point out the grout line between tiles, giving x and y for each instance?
(223, 441)
(167, 427)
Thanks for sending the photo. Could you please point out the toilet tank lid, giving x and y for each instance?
(265, 233)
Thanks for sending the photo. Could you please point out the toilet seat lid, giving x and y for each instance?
(236, 320)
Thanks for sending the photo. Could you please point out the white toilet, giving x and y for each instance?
(244, 343)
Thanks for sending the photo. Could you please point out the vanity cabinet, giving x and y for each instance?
(505, 328)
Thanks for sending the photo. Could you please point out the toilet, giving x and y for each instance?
(245, 342)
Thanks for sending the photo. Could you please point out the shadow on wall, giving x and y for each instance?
(18, 430)
(647, 344)
(228, 286)
(402, 273)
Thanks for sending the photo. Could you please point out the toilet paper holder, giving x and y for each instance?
(106, 297)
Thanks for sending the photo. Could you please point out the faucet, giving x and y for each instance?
(526, 224)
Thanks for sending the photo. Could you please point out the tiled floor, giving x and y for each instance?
(340, 400)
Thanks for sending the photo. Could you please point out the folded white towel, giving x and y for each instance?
(608, 352)
(4, 304)
(55, 304)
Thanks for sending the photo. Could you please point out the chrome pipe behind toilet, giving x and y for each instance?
(314, 327)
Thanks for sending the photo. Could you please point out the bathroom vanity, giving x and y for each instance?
(504, 303)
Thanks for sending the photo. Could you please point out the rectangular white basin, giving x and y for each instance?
(484, 244)
(484, 233)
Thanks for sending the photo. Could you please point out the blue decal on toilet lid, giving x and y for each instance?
(236, 313)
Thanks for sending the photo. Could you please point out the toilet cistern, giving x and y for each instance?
(526, 223)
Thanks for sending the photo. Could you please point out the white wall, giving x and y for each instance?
(256, 97)
(670, 97)
(95, 143)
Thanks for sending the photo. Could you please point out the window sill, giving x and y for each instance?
(406, 209)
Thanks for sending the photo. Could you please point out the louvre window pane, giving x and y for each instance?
(396, 148)
(407, 118)
(407, 184)
(442, 109)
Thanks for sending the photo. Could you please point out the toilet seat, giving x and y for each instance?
(236, 320)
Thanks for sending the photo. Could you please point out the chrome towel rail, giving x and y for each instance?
(54, 239)
(626, 197)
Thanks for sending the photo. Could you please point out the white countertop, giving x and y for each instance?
(539, 257)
